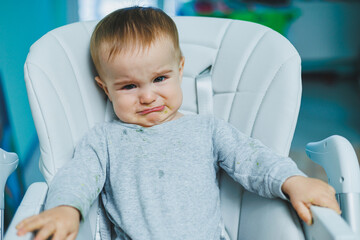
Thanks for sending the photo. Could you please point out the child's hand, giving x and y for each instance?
(61, 222)
(304, 192)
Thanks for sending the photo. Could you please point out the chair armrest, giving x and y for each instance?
(337, 156)
(263, 218)
(32, 203)
(268, 218)
(328, 225)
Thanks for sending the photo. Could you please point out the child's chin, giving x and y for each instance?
(153, 119)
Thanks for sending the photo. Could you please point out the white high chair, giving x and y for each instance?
(242, 72)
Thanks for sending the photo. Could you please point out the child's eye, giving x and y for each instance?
(159, 79)
(128, 87)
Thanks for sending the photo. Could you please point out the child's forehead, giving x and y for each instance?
(134, 60)
(110, 50)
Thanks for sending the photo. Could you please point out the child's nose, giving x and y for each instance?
(147, 96)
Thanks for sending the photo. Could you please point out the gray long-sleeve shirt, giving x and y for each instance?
(160, 182)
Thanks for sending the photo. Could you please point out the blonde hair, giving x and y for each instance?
(128, 28)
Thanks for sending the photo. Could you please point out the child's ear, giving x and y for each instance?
(102, 84)
(181, 66)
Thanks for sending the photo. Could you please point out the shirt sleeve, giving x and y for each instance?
(79, 182)
(255, 166)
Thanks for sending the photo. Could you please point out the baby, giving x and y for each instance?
(154, 168)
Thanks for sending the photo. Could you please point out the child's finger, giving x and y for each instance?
(336, 208)
(33, 223)
(19, 227)
(60, 235)
(72, 236)
(304, 212)
(332, 204)
(28, 225)
(328, 202)
(20, 224)
(45, 232)
(25, 222)
(332, 190)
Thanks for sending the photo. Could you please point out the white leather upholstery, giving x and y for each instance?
(256, 86)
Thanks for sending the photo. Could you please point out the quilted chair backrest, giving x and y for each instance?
(255, 81)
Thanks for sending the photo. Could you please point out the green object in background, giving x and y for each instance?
(276, 19)
(279, 20)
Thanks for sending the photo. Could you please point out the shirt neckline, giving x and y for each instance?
(135, 126)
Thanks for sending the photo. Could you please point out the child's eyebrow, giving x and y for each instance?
(122, 82)
(166, 71)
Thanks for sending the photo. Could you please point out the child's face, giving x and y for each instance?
(144, 86)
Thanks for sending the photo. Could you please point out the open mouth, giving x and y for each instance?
(150, 110)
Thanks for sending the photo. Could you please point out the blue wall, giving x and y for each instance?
(22, 22)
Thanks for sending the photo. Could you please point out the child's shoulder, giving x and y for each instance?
(217, 124)
(208, 120)
(196, 118)
(100, 129)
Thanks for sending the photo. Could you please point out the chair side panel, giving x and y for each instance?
(257, 88)
(63, 96)
(262, 71)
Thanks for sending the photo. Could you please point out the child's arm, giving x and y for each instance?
(304, 192)
(60, 222)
